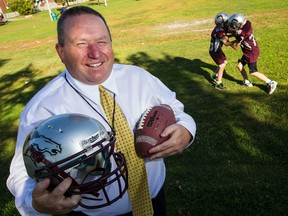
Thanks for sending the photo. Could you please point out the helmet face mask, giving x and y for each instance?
(220, 19)
(79, 147)
(235, 22)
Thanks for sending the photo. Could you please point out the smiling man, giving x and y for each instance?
(85, 48)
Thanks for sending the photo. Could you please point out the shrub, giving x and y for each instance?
(24, 7)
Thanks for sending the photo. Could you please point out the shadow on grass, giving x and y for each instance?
(238, 162)
(16, 89)
(3, 61)
(19, 87)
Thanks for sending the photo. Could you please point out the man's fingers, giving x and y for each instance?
(41, 188)
(62, 187)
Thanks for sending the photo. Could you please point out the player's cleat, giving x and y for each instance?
(220, 86)
(272, 86)
(247, 83)
(214, 78)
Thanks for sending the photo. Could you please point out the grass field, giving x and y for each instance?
(238, 164)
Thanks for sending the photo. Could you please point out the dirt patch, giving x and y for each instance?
(183, 27)
(23, 45)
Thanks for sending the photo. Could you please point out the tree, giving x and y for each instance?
(24, 7)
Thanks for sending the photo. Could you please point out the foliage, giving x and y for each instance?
(24, 7)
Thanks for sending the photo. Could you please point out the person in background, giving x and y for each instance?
(218, 38)
(2, 19)
(64, 7)
(85, 48)
(242, 30)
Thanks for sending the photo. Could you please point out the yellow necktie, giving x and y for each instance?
(138, 189)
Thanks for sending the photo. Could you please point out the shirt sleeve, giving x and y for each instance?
(164, 95)
(18, 182)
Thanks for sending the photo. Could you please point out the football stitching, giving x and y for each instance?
(146, 139)
(142, 120)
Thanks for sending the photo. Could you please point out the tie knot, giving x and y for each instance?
(106, 92)
(101, 89)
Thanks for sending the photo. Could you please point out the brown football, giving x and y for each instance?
(153, 121)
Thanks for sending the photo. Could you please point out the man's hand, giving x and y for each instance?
(53, 202)
(178, 141)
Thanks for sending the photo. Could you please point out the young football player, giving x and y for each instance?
(242, 30)
(218, 38)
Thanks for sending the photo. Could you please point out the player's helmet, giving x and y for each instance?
(235, 22)
(221, 18)
(79, 147)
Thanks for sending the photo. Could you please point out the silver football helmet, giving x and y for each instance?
(221, 18)
(79, 147)
(235, 22)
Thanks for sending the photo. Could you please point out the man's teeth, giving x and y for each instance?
(95, 65)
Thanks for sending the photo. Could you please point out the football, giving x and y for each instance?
(153, 121)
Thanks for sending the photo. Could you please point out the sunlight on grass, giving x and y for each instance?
(9, 146)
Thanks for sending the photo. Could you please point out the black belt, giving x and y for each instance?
(159, 206)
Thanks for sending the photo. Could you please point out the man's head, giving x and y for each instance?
(85, 45)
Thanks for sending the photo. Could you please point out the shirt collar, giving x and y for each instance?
(110, 84)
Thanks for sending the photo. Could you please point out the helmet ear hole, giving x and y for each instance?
(78, 147)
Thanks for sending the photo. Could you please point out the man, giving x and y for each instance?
(242, 30)
(218, 38)
(64, 8)
(85, 47)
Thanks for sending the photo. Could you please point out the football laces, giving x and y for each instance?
(143, 117)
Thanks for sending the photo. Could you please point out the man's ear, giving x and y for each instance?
(60, 51)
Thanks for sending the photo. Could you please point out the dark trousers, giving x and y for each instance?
(159, 206)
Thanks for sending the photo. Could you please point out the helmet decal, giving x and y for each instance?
(51, 147)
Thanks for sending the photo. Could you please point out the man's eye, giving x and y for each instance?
(82, 44)
(102, 42)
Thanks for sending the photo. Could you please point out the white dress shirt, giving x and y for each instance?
(135, 91)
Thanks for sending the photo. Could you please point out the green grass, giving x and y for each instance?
(238, 162)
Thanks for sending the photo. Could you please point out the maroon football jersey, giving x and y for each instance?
(248, 42)
(217, 35)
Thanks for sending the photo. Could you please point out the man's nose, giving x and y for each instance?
(93, 51)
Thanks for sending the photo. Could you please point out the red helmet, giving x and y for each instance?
(79, 147)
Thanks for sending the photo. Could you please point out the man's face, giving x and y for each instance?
(87, 52)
